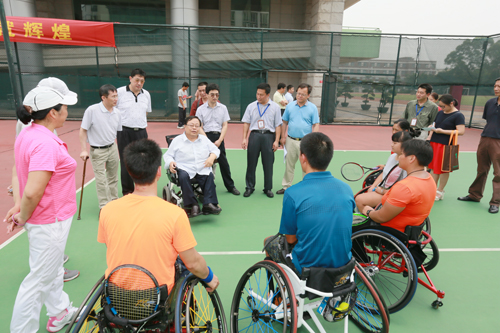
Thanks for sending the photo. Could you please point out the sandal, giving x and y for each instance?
(439, 195)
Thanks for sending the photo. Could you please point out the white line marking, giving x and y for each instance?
(8, 241)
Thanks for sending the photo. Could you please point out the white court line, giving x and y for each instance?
(8, 241)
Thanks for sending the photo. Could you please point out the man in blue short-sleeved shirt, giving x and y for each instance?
(300, 118)
(317, 212)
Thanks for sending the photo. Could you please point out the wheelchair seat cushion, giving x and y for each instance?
(328, 279)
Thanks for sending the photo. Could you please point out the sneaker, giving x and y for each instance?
(57, 323)
(70, 275)
(65, 258)
(180, 127)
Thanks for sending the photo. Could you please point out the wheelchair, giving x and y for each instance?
(123, 305)
(393, 260)
(272, 297)
(174, 194)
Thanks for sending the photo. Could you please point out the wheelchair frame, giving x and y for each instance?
(172, 318)
(295, 295)
(390, 261)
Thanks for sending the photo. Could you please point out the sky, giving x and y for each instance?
(427, 17)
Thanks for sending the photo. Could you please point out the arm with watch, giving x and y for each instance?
(384, 214)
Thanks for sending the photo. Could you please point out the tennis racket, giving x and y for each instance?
(352, 171)
(132, 293)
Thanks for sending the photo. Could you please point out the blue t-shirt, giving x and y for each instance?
(300, 118)
(318, 210)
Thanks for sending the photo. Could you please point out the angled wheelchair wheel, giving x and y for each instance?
(370, 312)
(432, 252)
(389, 263)
(198, 310)
(264, 301)
(89, 311)
(167, 195)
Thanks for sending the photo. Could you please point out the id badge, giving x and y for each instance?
(260, 124)
(413, 122)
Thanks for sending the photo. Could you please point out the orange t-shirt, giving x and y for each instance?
(145, 231)
(416, 195)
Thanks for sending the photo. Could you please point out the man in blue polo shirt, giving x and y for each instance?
(317, 212)
(300, 118)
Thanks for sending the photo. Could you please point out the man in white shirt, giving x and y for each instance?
(289, 93)
(214, 118)
(279, 97)
(192, 155)
(134, 103)
(183, 97)
(100, 124)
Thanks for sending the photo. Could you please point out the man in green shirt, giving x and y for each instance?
(421, 112)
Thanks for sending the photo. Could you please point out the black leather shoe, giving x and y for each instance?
(493, 209)
(247, 193)
(235, 191)
(282, 191)
(269, 193)
(466, 198)
(195, 211)
(211, 209)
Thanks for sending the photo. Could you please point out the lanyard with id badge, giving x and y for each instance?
(417, 111)
(260, 123)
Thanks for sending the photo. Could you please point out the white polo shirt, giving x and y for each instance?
(101, 125)
(133, 108)
(212, 119)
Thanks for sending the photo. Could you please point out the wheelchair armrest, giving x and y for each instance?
(163, 294)
(414, 231)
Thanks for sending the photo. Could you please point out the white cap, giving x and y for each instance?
(57, 84)
(41, 98)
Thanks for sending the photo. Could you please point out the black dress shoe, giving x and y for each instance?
(466, 198)
(493, 209)
(235, 191)
(282, 191)
(269, 193)
(248, 193)
(211, 209)
(195, 211)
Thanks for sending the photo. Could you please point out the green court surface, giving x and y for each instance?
(466, 234)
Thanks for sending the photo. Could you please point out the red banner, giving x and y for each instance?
(60, 32)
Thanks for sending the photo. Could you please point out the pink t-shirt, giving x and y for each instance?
(38, 149)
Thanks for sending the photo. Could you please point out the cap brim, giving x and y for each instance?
(70, 98)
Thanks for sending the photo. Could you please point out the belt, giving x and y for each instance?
(212, 132)
(103, 147)
(133, 128)
(296, 139)
(263, 131)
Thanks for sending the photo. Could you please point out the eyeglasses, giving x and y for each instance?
(214, 95)
(300, 94)
(194, 126)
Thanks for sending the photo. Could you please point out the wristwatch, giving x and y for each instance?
(368, 212)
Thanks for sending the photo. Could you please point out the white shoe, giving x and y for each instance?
(180, 127)
(439, 195)
(57, 323)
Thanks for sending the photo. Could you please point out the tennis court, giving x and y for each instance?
(466, 234)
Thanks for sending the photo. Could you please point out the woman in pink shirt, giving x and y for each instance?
(46, 175)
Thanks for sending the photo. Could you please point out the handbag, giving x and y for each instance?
(450, 154)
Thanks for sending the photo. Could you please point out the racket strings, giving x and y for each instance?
(352, 172)
(132, 293)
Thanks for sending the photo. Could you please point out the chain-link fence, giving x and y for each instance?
(364, 77)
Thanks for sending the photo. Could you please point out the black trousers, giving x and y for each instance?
(124, 137)
(182, 117)
(206, 183)
(222, 160)
(260, 144)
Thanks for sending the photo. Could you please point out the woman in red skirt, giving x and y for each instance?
(446, 122)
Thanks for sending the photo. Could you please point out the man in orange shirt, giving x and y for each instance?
(410, 200)
(142, 229)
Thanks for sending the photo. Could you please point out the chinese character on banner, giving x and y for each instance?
(33, 29)
(61, 31)
(10, 25)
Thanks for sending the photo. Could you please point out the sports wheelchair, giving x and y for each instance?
(272, 297)
(174, 195)
(130, 300)
(393, 260)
